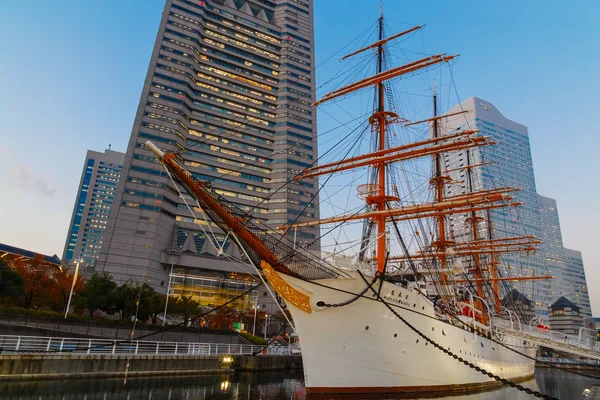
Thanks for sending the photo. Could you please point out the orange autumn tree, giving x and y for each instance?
(60, 288)
(37, 279)
(224, 318)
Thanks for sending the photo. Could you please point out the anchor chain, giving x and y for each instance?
(356, 297)
(456, 356)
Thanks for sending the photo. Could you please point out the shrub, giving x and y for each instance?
(74, 316)
(16, 310)
(50, 314)
(253, 339)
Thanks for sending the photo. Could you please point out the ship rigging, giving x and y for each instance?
(338, 301)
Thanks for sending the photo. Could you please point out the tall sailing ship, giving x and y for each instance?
(401, 315)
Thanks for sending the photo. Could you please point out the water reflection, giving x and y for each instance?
(264, 386)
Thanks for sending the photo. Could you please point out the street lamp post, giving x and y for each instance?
(167, 299)
(254, 324)
(266, 324)
(72, 287)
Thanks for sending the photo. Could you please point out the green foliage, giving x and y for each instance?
(98, 294)
(133, 299)
(11, 285)
(16, 310)
(185, 306)
(253, 339)
(157, 306)
(75, 317)
(51, 314)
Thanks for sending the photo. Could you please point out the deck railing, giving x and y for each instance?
(586, 339)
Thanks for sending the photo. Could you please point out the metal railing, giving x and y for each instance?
(558, 360)
(583, 341)
(10, 344)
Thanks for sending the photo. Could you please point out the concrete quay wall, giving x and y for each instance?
(61, 366)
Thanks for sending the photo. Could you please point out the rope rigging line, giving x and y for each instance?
(354, 144)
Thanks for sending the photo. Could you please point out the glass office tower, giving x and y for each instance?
(509, 164)
(575, 277)
(506, 164)
(93, 204)
(229, 89)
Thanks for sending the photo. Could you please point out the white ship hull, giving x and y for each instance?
(363, 348)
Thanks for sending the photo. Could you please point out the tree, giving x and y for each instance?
(157, 306)
(280, 319)
(12, 286)
(187, 307)
(36, 277)
(61, 283)
(133, 299)
(224, 318)
(98, 294)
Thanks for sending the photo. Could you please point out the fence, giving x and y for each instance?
(10, 344)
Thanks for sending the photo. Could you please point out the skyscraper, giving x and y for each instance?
(93, 204)
(538, 216)
(229, 89)
(552, 250)
(575, 278)
(512, 167)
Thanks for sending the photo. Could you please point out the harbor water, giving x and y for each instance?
(258, 386)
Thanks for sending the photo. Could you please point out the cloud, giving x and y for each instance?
(24, 178)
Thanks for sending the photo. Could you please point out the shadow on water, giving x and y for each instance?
(253, 386)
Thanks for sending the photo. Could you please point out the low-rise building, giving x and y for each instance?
(520, 304)
(565, 317)
(11, 253)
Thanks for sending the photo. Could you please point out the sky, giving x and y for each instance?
(72, 71)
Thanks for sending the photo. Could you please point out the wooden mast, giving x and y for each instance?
(381, 117)
(438, 182)
(494, 266)
(474, 219)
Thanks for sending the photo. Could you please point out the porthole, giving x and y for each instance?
(432, 328)
(395, 335)
(320, 304)
(367, 328)
(417, 340)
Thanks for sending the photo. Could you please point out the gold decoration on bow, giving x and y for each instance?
(291, 294)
